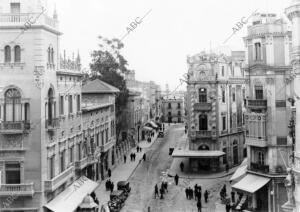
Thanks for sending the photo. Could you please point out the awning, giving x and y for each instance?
(182, 153)
(147, 128)
(72, 196)
(152, 124)
(240, 172)
(251, 183)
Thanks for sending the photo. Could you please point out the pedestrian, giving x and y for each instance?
(124, 158)
(112, 186)
(232, 197)
(200, 189)
(199, 197)
(176, 178)
(196, 192)
(192, 193)
(144, 156)
(227, 167)
(137, 148)
(206, 196)
(187, 193)
(228, 207)
(140, 149)
(161, 193)
(199, 206)
(181, 166)
(134, 156)
(165, 186)
(107, 186)
(156, 191)
(109, 173)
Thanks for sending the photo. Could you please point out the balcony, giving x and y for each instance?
(14, 127)
(22, 18)
(17, 189)
(203, 134)
(51, 185)
(81, 164)
(259, 142)
(202, 106)
(107, 146)
(259, 168)
(52, 124)
(257, 104)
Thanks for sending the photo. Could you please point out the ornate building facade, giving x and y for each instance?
(172, 110)
(268, 44)
(215, 88)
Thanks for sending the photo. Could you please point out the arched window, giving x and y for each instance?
(203, 122)
(17, 51)
(50, 104)
(257, 51)
(49, 55)
(7, 54)
(52, 56)
(12, 105)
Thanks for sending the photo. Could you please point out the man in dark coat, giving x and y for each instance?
(181, 166)
(156, 191)
(109, 173)
(199, 206)
(187, 193)
(206, 196)
(112, 186)
(124, 158)
(228, 207)
(176, 178)
(144, 156)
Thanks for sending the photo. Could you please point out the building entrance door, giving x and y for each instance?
(204, 164)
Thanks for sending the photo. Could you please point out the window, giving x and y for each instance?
(49, 55)
(62, 161)
(52, 56)
(13, 173)
(102, 137)
(223, 122)
(179, 113)
(232, 70)
(261, 158)
(223, 96)
(178, 105)
(70, 104)
(51, 167)
(12, 105)
(258, 92)
(61, 105)
(7, 54)
(17, 51)
(223, 72)
(169, 106)
(79, 151)
(97, 139)
(106, 135)
(15, 8)
(71, 154)
(257, 51)
(233, 94)
(78, 102)
(203, 122)
(202, 95)
(51, 113)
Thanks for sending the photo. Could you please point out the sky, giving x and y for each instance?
(159, 45)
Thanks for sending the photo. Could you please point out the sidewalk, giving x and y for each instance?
(123, 171)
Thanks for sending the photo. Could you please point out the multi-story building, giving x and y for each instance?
(268, 44)
(43, 153)
(215, 88)
(292, 181)
(172, 110)
(99, 130)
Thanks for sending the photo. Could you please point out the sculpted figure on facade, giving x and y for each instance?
(289, 185)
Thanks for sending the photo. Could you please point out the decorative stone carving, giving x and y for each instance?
(289, 185)
(270, 80)
(38, 76)
(12, 142)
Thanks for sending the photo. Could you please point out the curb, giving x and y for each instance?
(207, 178)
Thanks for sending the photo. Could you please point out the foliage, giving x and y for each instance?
(109, 66)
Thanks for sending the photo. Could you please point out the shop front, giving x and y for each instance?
(74, 197)
(200, 160)
(252, 193)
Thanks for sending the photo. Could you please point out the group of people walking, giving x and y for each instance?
(197, 194)
(109, 185)
(163, 189)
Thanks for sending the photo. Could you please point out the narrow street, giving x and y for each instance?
(148, 173)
